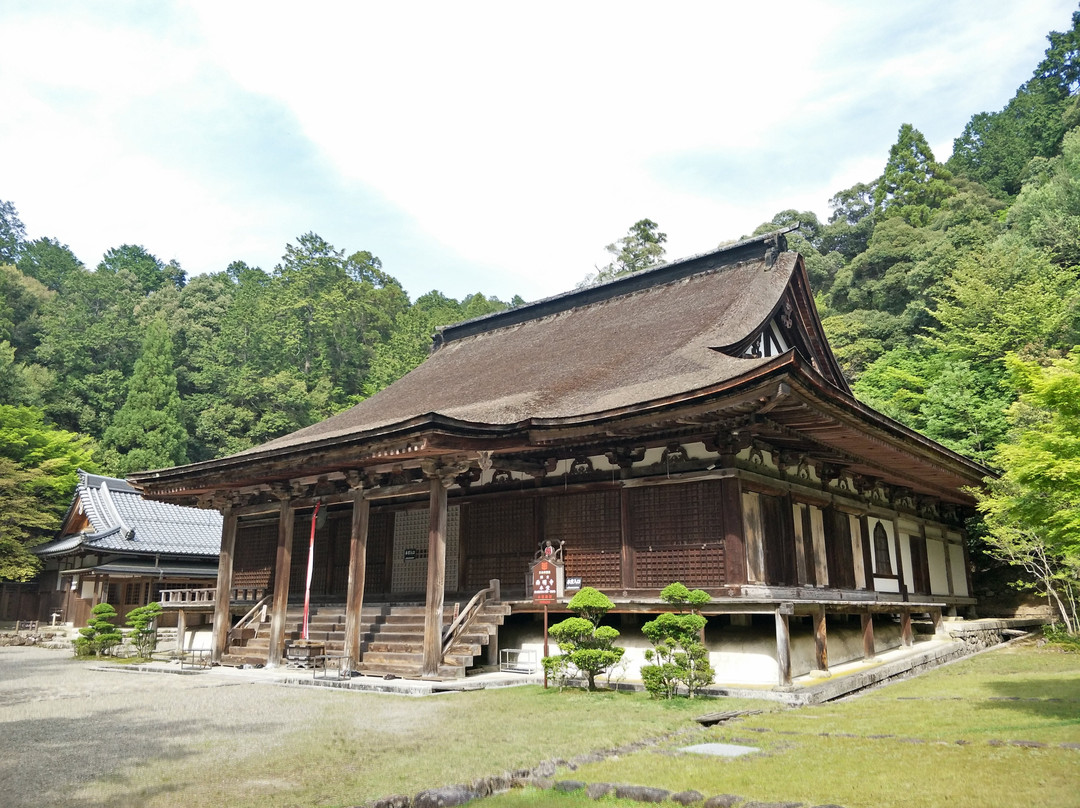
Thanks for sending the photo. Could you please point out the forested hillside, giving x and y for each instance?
(945, 289)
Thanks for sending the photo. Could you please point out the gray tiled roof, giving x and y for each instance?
(124, 522)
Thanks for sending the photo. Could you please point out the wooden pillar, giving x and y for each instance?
(181, 629)
(783, 647)
(907, 639)
(436, 573)
(223, 594)
(354, 604)
(626, 550)
(867, 635)
(821, 642)
(282, 571)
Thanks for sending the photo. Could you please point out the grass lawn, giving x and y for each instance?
(949, 744)
(350, 748)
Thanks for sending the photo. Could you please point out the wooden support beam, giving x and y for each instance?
(354, 604)
(436, 572)
(783, 648)
(821, 642)
(939, 623)
(282, 572)
(907, 638)
(867, 635)
(222, 615)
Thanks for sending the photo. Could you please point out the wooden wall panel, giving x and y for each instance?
(920, 569)
(379, 548)
(499, 537)
(589, 523)
(677, 534)
(779, 536)
(841, 564)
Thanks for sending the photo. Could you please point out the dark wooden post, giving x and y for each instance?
(906, 636)
(626, 550)
(282, 572)
(821, 641)
(354, 605)
(783, 646)
(223, 594)
(436, 573)
(867, 635)
(734, 540)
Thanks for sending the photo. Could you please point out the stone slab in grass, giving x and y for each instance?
(719, 749)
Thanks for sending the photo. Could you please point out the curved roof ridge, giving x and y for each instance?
(618, 287)
(117, 519)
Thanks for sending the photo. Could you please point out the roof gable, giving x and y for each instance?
(107, 514)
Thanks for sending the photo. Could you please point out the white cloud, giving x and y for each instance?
(488, 146)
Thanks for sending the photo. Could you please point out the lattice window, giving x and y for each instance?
(501, 539)
(677, 534)
(590, 525)
(411, 529)
(256, 549)
(882, 559)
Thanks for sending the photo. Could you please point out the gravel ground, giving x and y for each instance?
(64, 726)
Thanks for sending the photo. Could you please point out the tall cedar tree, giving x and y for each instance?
(148, 431)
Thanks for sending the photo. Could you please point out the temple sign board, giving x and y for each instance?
(547, 573)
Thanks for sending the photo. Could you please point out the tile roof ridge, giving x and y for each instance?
(117, 519)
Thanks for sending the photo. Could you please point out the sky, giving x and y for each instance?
(491, 147)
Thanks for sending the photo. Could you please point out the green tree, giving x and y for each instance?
(38, 471)
(12, 233)
(90, 339)
(585, 645)
(851, 223)
(22, 300)
(914, 184)
(1032, 511)
(48, 261)
(100, 634)
(150, 271)
(148, 431)
(1047, 211)
(642, 247)
(678, 658)
(144, 628)
(996, 148)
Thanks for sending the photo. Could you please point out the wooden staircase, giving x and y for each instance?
(392, 638)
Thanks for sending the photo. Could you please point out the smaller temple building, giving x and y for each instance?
(116, 547)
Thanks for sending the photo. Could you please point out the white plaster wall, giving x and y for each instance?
(959, 571)
(935, 560)
(741, 655)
